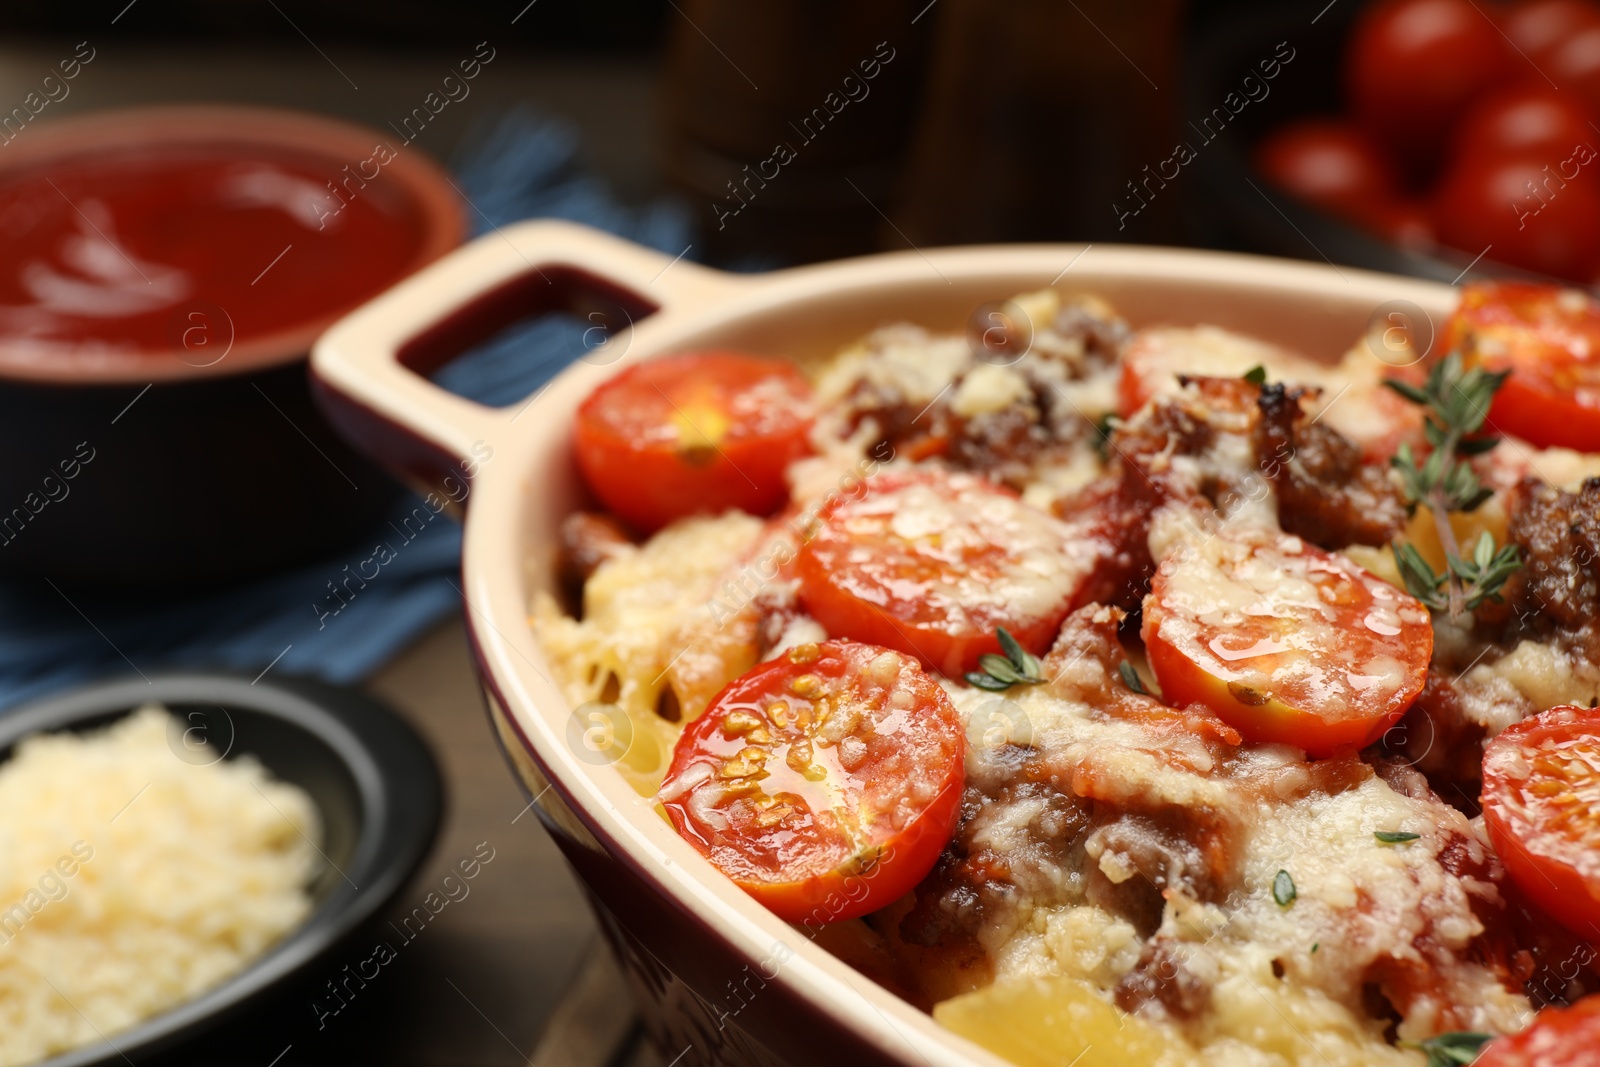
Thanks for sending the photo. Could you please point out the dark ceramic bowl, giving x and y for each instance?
(720, 979)
(373, 782)
(202, 461)
(1232, 206)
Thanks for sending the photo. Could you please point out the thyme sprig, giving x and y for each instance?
(1478, 579)
(1017, 667)
(1457, 404)
(1454, 1049)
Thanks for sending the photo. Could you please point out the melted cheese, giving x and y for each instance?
(1162, 353)
(987, 389)
(1359, 901)
(619, 654)
(1533, 677)
(905, 361)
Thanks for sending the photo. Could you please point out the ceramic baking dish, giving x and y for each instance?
(719, 979)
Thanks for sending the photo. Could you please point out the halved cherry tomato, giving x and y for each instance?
(1549, 339)
(1356, 401)
(1541, 804)
(1286, 642)
(932, 564)
(1155, 359)
(825, 783)
(697, 432)
(1557, 1037)
(1413, 65)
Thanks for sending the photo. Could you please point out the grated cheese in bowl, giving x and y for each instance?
(132, 880)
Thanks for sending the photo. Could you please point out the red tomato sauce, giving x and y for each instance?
(111, 253)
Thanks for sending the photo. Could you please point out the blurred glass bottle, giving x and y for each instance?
(786, 120)
(1045, 120)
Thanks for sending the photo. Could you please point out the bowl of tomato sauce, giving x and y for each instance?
(167, 270)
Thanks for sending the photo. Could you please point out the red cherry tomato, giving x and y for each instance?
(1285, 642)
(697, 432)
(1549, 339)
(1537, 27)
(1541, 804)
(1528, 119)
(825, 783)
(1557, 1037)
(933, 564)
(1369, 413)
(1574, 64)
(1327, 162)
(1524, 215)
(1403, 222)
(1413, 65)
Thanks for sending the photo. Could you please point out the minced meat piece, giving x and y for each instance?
(1326, 493)
(1556, 591)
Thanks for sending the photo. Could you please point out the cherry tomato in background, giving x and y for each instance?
(1457, 98)
(1557, 1037)
(1574, 65)
(1412, 66)
(932, 564)
(825, 783)
(696, 432)
(1525, 119)
(1541, 804)
(1535, 28)
(1549, 339)
(1334, 164)
(1329, 162)
(1285, 642)
(1521, 215)
(1407, 223)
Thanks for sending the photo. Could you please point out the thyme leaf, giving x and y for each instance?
(1283, 890)
(1103, 426)
(998, 673)
(1454, 1049)
(1130, 677)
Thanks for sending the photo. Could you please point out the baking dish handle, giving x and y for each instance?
(369, 370)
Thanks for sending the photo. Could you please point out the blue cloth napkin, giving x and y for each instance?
(515, 166)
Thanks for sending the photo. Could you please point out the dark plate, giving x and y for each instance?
(1234, 206)
(371, 777)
